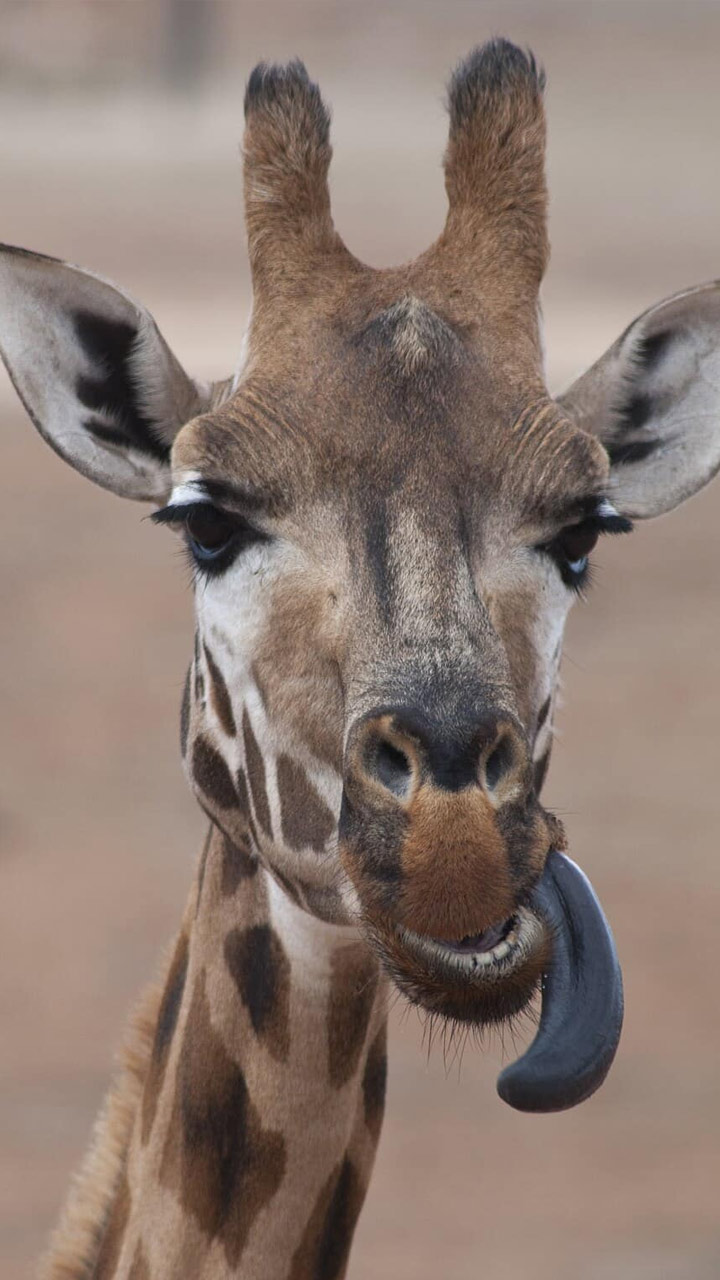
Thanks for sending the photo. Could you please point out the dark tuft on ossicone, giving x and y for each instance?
(495, 69)
(495, 164)
(286, 158)
(287, 88)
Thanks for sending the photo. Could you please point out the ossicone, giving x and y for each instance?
(286, 160)
(495, 161)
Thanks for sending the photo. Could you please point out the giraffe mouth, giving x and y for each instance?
(489, 955)
(481, 943)
(559, 943)
(481, 979)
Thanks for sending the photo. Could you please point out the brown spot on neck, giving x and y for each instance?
(238, 864)
(165, 1026)
(261, 972)
(323, 1251)
(374, 1083)
(220, 1161)
(353, 987)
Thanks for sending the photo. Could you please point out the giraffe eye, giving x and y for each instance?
(570, 551)
(209, 531)
(214, 537)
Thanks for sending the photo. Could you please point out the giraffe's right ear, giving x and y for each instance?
(95, 375)
(653, 400)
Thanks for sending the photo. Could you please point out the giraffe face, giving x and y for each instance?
(380, 607)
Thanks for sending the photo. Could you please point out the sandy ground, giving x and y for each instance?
(97, 830)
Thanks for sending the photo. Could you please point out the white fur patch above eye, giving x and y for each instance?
(606, 510)
(189, 491)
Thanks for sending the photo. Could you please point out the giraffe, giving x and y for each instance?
(387, 517)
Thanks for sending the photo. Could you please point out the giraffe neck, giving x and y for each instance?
(254, 1141)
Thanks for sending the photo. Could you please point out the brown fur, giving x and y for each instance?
(238, 864)
(212, 775)
(287, 155)
(306, 819)
(519, 645)
(288, 660)
(456, 877)
(353, 988)
(256, 776)
(220, 1161)
(185, 713)
(164, 1029)
(219, 695)
(495, 167)
(374, 1083)
(261, 972)
(323, 1251)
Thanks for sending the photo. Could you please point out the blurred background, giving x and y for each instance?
(119, 150)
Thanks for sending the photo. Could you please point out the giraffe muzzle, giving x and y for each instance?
(470, 913)
(559, 941)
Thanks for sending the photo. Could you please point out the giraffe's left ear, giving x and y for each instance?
(95, 375)
(654, 401)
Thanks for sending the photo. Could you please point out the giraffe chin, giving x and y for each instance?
(560, 943)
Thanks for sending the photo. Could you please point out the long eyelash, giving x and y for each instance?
(611, 523)
(603, 523)
(176, 513)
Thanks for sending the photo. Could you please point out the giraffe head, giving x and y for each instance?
(388, 518)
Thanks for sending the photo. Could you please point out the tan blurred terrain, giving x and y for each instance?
(97, 828)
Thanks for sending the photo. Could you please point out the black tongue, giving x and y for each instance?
(582, 998)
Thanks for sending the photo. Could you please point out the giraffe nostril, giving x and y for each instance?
(391, 767)
(499, 763)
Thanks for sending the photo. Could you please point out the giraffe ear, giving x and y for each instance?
(654, 401)
(95, 375)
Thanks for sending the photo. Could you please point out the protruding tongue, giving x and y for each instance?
(582, 998)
